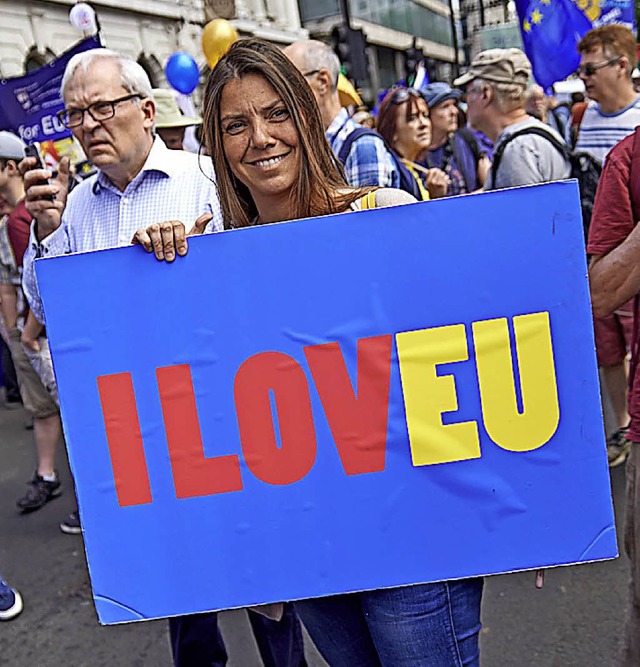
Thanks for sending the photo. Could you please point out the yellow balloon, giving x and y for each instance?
(218, 35)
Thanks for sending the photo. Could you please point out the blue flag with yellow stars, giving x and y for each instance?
(551, 30)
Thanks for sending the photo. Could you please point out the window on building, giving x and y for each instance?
(152, 67)
(36, 59)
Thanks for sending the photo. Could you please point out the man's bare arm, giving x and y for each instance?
(9, 305)
(615, 277)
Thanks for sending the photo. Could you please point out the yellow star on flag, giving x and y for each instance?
(545, 2)
(536, 16)
(526, 25)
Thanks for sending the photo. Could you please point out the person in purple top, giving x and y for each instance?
(455, 151)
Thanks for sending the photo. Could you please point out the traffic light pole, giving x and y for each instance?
(454, 35)
(344, 10)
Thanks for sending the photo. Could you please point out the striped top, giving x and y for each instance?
(600, 132)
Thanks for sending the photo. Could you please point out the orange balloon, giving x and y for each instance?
(218, 35)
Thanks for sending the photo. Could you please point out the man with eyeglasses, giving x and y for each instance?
(367, 160)
(608, 56)
(526, 150)
(140, 182)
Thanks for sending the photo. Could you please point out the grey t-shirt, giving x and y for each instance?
(528, 159)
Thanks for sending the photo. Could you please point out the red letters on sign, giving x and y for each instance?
(124, 438)
(193, 474)
(272, 399)
(259, 377)
(358, 422)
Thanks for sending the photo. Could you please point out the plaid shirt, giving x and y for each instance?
(170, 186)
(368, 162)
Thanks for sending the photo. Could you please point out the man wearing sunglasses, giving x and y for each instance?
(608, 56)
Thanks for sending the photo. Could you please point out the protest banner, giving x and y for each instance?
(337, 404)
(29, 104)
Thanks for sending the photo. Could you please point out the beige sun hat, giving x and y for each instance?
(500, 65)
(168, 112)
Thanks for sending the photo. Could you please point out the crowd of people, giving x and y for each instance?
(282, 147)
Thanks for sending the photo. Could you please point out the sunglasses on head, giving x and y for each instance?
(589, 69)
(401, 95)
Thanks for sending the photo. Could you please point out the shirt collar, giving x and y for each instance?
(159, 160)
(337, 123)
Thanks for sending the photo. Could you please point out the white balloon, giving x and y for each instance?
(83, 17)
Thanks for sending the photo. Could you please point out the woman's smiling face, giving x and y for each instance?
(259, 137)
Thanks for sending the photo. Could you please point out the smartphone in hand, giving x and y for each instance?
(33, 150)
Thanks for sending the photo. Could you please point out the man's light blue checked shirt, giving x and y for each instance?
(368, 162)
(170, 186)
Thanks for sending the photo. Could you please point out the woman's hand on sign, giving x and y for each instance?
(437, 183)
(45, 196)
(168, 239)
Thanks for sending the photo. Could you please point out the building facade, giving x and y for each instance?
(488, 24)
(390, 27)
(33, 32)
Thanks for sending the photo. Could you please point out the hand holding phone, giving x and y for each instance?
(33, 150)
(45, 194)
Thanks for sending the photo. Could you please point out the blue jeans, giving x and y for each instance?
(428, 625)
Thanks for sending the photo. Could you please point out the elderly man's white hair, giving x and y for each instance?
(318, 55)
(132, 76)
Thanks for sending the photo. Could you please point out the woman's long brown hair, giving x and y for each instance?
(321, 187)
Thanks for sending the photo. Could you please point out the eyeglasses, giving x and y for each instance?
(311, 73)
(401, 95)
(589, 69)
(99, 111)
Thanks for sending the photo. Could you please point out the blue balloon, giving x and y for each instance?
(182, 72)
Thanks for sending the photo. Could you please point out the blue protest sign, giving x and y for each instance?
(336, 404)
(29, 103)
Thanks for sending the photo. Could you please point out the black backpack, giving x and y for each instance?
(407, 181)
(584, 167)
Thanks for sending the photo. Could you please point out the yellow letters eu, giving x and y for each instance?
(508, 427)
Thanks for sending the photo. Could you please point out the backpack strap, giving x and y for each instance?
(368, 201)
(467, 136)
(345, 149)
(422, 193)
(541, 132)
(470, 138)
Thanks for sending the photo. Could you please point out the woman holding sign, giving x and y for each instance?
(263, 128)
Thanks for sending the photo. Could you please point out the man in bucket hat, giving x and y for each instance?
(496, 85)
(171, 123)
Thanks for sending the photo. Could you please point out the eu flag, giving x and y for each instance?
(551, 29)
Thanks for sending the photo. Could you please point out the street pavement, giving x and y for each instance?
(574, 621)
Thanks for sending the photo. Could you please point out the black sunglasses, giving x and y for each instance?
(401, 95)
(591, 68)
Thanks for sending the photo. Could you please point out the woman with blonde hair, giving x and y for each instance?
(263, 129)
